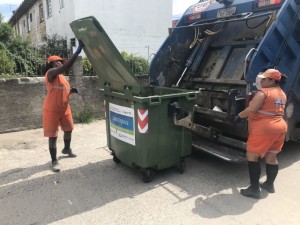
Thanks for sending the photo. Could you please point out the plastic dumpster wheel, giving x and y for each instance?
(182, 166)
(116, 159)
(148, 175)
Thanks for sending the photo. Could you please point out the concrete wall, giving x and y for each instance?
(21, 100)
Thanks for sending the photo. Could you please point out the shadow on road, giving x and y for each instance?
(216, 203)
(57, 196)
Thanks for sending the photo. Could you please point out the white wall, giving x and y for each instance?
(135, 26)
(58, 23)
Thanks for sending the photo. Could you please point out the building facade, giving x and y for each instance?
(135, 26)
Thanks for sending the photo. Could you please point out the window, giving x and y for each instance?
(73, 42)
(18, 29)
(41, 9)
(62, 4)
(49, 8)
(30, 17)
(28, 23)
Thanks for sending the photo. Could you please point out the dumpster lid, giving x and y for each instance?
(104, 56)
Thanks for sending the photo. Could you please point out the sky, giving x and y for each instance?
(7, 6)
(179, 6)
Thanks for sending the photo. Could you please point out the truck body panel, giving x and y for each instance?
(219, 48)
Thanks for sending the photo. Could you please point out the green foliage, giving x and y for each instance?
(17, 56)
(87, 67)
(85, 116)
(6, 31)
(7, 64)
(137, 64)
(28, 60)
(55, 45)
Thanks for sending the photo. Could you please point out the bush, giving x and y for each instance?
(85, 116)
(87, 67)
(55, 45)
(137, 64)
(8, 65)
(28, 60)
(17, 56)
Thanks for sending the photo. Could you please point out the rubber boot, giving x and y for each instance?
(67, 150)
(271, 171)
(253, 191)
(55, 165)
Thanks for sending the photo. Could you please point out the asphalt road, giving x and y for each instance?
(92, 189)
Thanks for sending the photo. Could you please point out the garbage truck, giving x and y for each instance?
(218, 47)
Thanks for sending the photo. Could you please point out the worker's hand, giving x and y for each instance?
(74, 90)
(237, 119)
(79, 48)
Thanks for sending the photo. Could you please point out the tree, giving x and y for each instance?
(27, 58)
(55, 45)
(6, 31)
(7, 64)
(6, 61)
(17, 56)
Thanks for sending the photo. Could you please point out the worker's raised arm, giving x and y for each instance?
(53, 72)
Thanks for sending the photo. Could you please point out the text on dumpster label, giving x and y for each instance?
(122, 125)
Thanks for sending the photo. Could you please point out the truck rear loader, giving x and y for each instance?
(218, 48)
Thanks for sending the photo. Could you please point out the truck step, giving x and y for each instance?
(221, 151)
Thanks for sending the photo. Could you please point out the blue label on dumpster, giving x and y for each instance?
(122, 123)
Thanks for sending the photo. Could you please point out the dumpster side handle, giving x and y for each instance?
(155, 100)
(191, 96)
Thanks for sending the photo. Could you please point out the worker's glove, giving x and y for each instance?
(79, 48)
(74, 90)
(230, 117)
(237, 119)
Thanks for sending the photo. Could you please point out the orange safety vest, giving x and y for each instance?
(268, 119)
(58, 93)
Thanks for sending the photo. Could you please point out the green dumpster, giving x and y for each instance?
(140, 124)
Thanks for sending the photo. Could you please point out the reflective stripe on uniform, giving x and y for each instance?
(269, 113)
(59, 87)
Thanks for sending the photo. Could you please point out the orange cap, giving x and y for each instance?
(271, 73)
(54, 58)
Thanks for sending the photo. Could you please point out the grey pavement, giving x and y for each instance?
(92, 189)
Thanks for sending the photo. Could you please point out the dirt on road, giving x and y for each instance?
(92, 189)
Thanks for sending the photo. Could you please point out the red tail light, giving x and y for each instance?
(194, 17)
(266, 3)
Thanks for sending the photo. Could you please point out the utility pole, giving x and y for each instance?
(148, 49)
(10, 8)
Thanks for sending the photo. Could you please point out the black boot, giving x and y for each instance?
(67, 150)
(271, 171)
(253, 191)
(55, 165)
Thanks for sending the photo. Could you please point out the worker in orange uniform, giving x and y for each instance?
(57, 111)
(267, 129)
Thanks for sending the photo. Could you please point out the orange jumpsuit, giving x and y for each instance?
(57, 111)
(267, 127)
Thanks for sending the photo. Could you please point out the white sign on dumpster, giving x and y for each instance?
(121, 120)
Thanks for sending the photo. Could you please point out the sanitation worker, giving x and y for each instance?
(57, 111)
(267, 129)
